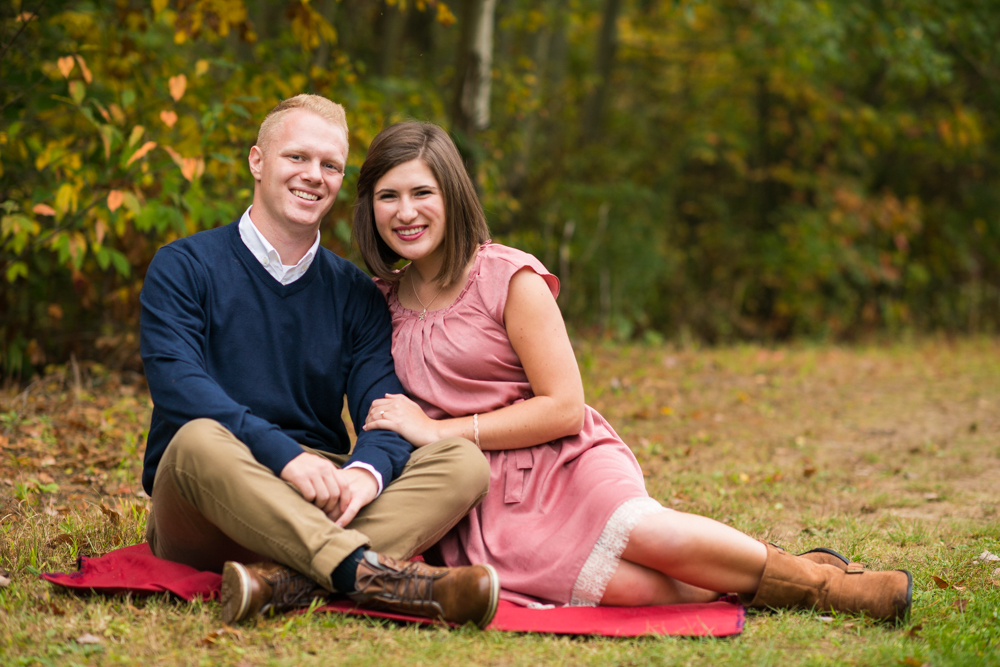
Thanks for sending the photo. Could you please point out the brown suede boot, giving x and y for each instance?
(798, 583)
(822, 556)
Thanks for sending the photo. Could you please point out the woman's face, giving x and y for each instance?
(409, 211)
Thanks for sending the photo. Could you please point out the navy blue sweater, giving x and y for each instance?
(221, 338)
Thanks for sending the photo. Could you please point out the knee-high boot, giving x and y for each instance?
(799, 583)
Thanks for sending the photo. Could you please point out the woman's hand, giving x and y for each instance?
(398, 413)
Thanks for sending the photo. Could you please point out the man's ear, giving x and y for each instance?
(255, 160)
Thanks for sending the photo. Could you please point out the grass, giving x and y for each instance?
(889, 454)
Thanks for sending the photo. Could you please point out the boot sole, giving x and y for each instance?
(235, 592)
(494, 598)
(909, 596)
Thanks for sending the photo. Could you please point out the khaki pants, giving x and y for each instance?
(213, 502)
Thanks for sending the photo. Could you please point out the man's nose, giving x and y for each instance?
(311, 170)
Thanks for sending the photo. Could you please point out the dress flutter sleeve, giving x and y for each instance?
(500, 264)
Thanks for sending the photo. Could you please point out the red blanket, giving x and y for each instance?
(135, 570)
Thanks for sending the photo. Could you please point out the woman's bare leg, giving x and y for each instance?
(698, 551)
(634, 585)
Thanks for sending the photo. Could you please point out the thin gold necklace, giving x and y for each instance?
(413, 288)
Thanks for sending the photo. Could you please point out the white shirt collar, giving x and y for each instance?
(268, 257)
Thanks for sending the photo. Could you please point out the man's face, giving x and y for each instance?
(299, 173)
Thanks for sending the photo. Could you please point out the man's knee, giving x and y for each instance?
(197, 444)
(465, 466)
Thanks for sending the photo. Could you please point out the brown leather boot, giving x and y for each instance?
(248, 590)
(821, 556)
(798, 583)
(456, 594)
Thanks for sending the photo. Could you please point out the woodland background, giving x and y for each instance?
(713, 170)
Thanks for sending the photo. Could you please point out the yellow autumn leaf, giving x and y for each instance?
(117, 113)
(115, 199)
(66, 66)
(177, 85)
(168, 117)
(135, 135)
(43, 209)
(66, 199)
(444, 15)
(87, 76)
(77, 91)
(160, 5)
(200, 67)
(145, 148)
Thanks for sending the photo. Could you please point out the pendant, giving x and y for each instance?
(422, 316)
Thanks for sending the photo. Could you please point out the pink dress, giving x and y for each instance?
(548, 508)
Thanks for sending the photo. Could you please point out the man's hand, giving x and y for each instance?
(339, 493)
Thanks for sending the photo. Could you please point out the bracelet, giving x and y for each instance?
(475, 429)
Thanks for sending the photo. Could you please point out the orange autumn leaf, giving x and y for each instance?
(115, 199)
(177, 86)
(192, 167)
(87, 76)
(43, 209)
(168, 117)
(175, 156)
(65, 66)
(145, 148)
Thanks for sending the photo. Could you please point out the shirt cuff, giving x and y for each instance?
(372, 470)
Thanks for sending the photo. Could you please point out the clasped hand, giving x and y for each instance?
(339, 493)
(398, 413)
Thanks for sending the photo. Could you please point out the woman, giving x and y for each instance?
(480, 345)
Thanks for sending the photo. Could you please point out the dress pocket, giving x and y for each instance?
(519, 463)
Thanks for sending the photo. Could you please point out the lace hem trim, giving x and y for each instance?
(600, 566)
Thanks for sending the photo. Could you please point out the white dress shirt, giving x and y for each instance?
(265, 253)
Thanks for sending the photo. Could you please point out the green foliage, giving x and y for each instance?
(764, 170)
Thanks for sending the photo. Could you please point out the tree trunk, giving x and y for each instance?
(471, 109)
(606, 46)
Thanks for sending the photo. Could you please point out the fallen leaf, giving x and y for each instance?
(114, 516)
(915, 631)
(87, 638)
(931, 497)
(826, 619)
(215, 635)
(910, 661)
(987, 557)
(808, 471)
(65, 538)
(66, 66)
(49, 460)
(848, 625)
(177, 85)
(53, 608)
(168, 117)
(941, 583)
(960, 605)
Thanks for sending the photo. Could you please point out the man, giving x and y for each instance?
(252, 335)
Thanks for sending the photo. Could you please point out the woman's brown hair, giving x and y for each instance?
(465, 224)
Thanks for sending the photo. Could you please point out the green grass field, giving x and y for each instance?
(889, 454)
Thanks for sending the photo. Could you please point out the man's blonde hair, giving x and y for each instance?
(322, 107)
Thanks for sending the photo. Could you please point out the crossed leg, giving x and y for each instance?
(674, 557)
